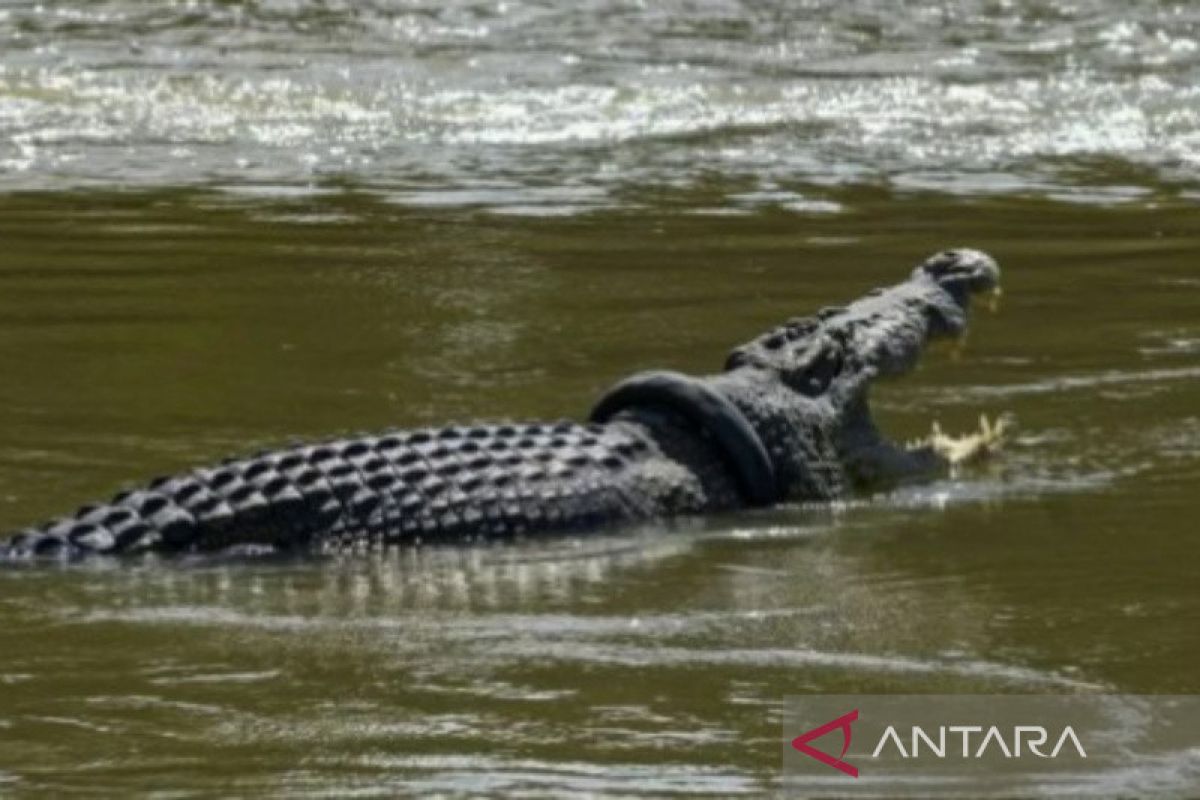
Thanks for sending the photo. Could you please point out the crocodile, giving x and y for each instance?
(787, 419)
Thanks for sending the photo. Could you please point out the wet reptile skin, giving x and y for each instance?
(802, 388)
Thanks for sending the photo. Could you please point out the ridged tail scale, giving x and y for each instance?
(425, 485)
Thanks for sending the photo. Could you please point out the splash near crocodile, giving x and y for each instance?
(786, 420)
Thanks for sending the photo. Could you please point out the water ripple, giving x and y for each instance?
(431, 103)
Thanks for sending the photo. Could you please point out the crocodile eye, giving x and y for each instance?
(814, 368)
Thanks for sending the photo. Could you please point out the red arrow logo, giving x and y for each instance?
(801, 743)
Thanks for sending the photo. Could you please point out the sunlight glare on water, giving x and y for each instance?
(492, 104)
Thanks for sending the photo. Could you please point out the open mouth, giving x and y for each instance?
(884, 335)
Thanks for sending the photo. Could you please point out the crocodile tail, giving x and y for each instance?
(256, 501)
(424, 485)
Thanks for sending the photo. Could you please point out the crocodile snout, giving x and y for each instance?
(962, 268)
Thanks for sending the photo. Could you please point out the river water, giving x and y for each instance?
(227, 224)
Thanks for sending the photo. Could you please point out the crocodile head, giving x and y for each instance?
(832, 357)
(882, 333)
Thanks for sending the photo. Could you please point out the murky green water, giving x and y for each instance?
(226, 225)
